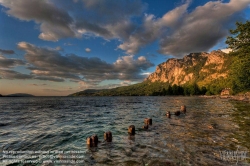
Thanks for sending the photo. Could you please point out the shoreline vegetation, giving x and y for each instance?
(17, 95)
(244, 97)
(239, 97)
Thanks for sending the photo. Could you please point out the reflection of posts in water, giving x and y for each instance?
(177, 113)
(148, 121)
(131, 130)
(145, 127)
(131, 137)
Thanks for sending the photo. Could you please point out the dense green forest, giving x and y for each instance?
(238, 80)
(239, 42)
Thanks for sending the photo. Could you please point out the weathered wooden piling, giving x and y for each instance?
(108, 136)
(131, 130)
(148, 121)
(183, 109)
(168, 114)
(92, 141)
(89, 141)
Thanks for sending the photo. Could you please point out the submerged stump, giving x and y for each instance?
(108, 136)
(89, 141)
(131, 130)
(148, 121)
(168, 114)
(183, 109)
(92, 141)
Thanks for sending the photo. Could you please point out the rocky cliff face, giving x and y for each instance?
(195, 67)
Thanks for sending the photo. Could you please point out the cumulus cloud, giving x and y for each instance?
(88, 50)
(49, 64)
(10, 74)
(37, 84)
(71, 19)
(180, 32)
(128, 68)
(53, 79)
(55, 23)
(7, 52)
(118, 11)
(6, 63)
(152, 29)
(59, 48)
(226, 50)
(202, 28)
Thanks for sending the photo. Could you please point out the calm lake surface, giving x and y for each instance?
(211, 126)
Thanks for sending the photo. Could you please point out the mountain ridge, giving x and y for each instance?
(195, 71)
(194, 67)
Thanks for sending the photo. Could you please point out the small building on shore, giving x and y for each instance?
(225, 92)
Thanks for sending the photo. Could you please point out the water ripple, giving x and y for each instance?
(64, 123)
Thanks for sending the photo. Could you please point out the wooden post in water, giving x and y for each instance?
(108, 136)
(89, 141)
(168, 114)
(183, 109)
(92, 141)
(148, 121)
(131, 130)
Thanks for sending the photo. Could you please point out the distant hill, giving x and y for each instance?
(19, 95)
(195, 74)
(87, 92)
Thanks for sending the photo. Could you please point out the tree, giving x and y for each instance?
(240, 39)
(239, 42)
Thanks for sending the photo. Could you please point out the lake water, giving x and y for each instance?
(53, 130)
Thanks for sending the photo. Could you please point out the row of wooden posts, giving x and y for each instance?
(93, 140)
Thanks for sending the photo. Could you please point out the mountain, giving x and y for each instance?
(19, 95)
(195, 74)
(201, 68)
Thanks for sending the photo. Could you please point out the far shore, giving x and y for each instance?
(239, 97)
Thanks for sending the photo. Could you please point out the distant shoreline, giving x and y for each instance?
(239, 97)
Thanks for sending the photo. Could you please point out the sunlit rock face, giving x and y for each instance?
(195, 67)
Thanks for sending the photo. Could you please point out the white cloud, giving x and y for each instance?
(56, 67)
(6, 63)
(7, 52)
(203, 28)
(88, 50)
(226, 50)
(179, 31)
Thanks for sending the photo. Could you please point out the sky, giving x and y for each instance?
(58, 47)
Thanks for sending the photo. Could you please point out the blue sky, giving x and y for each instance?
(58, 47)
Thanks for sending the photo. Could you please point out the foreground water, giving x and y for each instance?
(210, 133)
